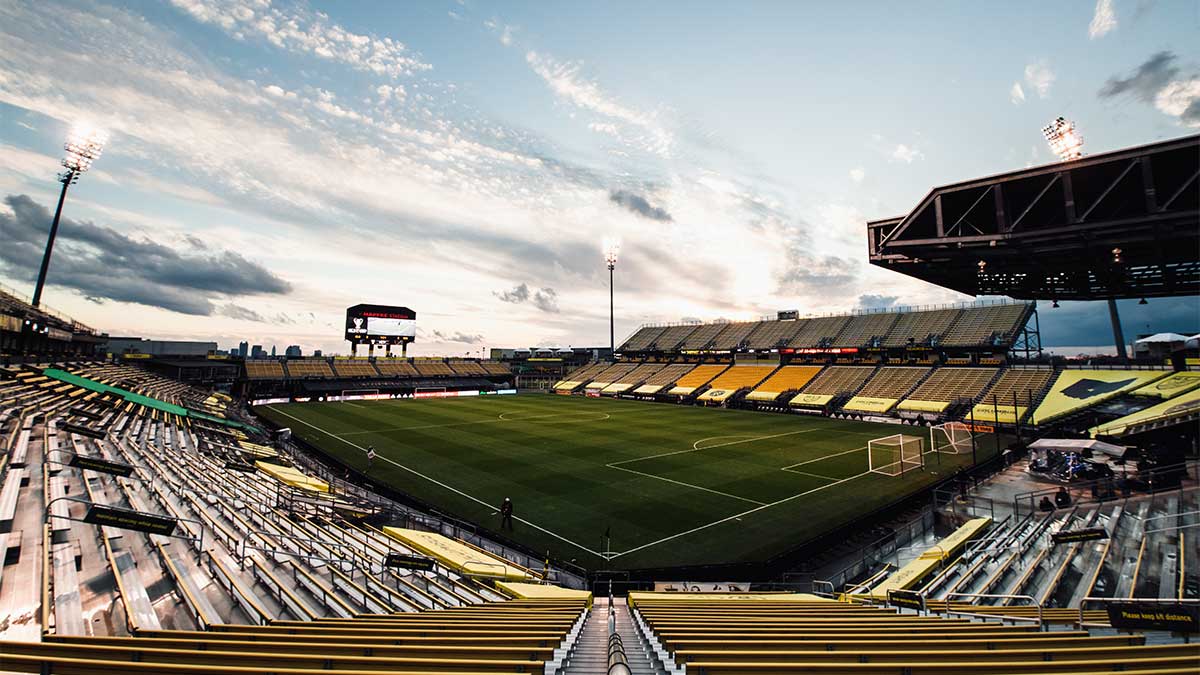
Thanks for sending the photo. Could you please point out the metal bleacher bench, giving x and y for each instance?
(9, 493)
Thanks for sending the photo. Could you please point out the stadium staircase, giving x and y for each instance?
(590, 655)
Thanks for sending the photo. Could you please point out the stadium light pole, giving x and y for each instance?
(84, 145)
(612, 247)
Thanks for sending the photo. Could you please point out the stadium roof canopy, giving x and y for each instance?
(1122, 224)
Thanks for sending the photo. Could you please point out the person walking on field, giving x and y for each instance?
(506, 513)
(370, 457)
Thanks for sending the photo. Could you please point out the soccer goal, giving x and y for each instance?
(358, 394)
(894, 455)
(951, 438)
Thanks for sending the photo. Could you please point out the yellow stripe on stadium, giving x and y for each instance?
(527, 591)
(924, 406)
(870, 404)
(293, 477)
(1079, 389)
(1180, 405)
(457, 556)
(811, 400)
(1003, 414)
(637, 596)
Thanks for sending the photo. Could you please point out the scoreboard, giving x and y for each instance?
(380, 324)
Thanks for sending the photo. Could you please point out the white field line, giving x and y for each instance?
(821, 459)
(738, 516)
(710, 447)
(805, 473)
(501, 417)
(487, 421)
(439, 483)
(694, 487)
(696, 445)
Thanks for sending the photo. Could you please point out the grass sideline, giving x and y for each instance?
(675, 485)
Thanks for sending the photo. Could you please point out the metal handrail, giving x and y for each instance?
(1159, 601)
(618, 663)
(999, 596)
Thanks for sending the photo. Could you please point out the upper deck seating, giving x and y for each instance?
(772, 334)
(642, 339)
(354, 369)
(495, 368)
(432, 368)
(702, 337)
(696, 378)
(467, 368)
(787, 378)
(395, 368)
(889, 385)
(920, 328)
(733, 380)
(309, 368)
(672, 337)
(990, 324)
(264, 370)
(819, 332)
(946, 386)
(733, 335)
(860, 330)
(833, 381)
(667, 376)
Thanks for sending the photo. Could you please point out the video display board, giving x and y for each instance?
(380, 324)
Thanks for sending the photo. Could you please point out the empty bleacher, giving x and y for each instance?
(354, 368)
(672, 337)
(665, 377)
(580, 376)
(264, 370)
(611, 374)
(495, 368)
(467, 368)
(395, 368)
(787, 378)
(989, 324)
(832, 382)
(734, 380)
(819, 332)
(921, 328)
(643, 338)
(862, 329)
(432, 368)
(885, 388)
(946, 386)
(696, 378)
(304, 368)
(734, 335)
(633, 378)
(772, 334)
(703, 336)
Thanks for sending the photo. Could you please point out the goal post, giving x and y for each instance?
(896, 454)
(951, 438)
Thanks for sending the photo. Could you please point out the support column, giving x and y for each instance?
(1118, 334)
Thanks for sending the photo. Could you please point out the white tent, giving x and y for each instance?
(1193, 342)
(1163, 337)
(1077, 445)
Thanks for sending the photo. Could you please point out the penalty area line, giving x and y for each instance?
(441, 484)
(678, 482)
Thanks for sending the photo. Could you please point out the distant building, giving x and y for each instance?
(244, 349)
(138, 345)
(256, 352)
(272, 351)
(293, 350)
(317, 353)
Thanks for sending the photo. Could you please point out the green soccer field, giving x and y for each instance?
(674, 485)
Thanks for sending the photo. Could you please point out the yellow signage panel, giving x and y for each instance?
(1003, 414)
(1078, 389)
(133, 355)
(717, 394)
(870, 404)
(1183, 404)
(1171, 385)
(758, 395)
(924, 406)
(811, 400)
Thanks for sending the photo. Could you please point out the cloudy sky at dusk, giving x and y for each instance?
(272, 162)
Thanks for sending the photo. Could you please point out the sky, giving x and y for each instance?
(272, 162)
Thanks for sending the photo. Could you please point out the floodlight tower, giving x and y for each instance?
(84, 145)
(1065, 141)
(612, 247)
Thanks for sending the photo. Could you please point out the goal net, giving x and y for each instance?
(358, 394)
(894, 455)
(951, 438)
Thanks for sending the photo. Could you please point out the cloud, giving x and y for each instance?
(238, 312)
(517, 295)
(872, 301)
(1104, 19)
(1158, 81)
(638, 204)
(301, 31)
(103, 264)
(1040, 78)
(458, 337)
(1016, 94)
(906, 154)
(857, 174)
(545, 299)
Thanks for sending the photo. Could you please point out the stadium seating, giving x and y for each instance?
(921, 328)
(696, 378)
(832, 382)
(734, 380)
(787, 378)
(664, 378)
(643, 338)
(633, 378)
(395, 368)
(703, 336)
(354, 368)
(495, 368)
(946, 386)
(469, 368)
(989, 324)
(772, 334)
(885, 388)
(432, 368)
(819, 332)
(1024, 386)
(672, 337)
(860, 330)
(580, 376)
(303, 368)
(734, 335)
(611, 374)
